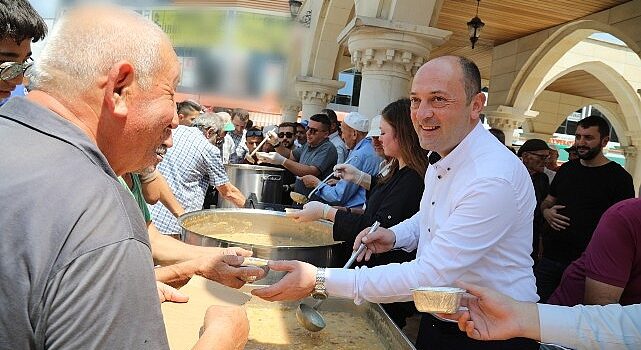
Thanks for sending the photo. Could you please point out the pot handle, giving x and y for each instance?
(271, 177)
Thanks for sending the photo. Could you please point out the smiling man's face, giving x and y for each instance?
(441, 115)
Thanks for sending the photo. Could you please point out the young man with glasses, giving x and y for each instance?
(21, 25)
(534, 153)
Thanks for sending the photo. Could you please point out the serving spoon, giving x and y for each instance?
(250, 156)
(308, 316)
(302, 199)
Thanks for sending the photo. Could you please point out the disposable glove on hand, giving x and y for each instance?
(349, 173)
(271, 158)
(311, 211)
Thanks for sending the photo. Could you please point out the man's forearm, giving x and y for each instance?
(299, 169)
(232, 194)
(548, 203)
(599, 293)
(167, 197)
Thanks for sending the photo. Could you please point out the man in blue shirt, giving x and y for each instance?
(361, 155)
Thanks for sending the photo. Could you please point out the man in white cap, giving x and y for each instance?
(354, 130)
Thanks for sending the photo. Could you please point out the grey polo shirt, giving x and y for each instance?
(322, 157)
(75, 261)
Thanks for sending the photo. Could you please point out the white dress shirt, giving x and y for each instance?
(591, 327)
(474, 225)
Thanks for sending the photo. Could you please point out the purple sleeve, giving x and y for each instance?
(610, 255)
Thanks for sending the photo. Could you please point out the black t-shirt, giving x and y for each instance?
(586, 193)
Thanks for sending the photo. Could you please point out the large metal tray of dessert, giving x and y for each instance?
(273, 325)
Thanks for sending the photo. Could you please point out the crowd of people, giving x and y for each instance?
(101, 137)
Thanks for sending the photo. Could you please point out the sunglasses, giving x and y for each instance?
(286, 134)
(254, 133)
(12, 70)
(313, 131)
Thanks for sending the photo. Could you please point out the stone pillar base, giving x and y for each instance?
(315, 93)
(508, 119)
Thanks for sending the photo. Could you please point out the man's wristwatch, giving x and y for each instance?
(319, 291)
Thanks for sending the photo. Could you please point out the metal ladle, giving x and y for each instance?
(308, 316)
(302, 199)
(250, 156)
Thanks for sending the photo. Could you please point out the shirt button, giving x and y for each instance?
(389, 217)
(433, 203)
(448, 169)
(439, 176)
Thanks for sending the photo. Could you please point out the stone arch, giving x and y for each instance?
(625, 95)
(531, 75)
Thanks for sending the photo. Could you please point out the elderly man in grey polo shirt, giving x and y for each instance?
(316, 157)
(75, 258)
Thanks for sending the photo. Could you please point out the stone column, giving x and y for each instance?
(315, 93)
(508, 119)
(289, 109)
(387, 54)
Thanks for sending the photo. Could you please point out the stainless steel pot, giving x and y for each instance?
(327, 253)
(266, 183)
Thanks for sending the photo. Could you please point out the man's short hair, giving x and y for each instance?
(595, 120)
(321, 118)
(209, 120)
(333, 118)
(471, 78)
(287, 125)
(242, 114)
(188, 106)
(20, 21)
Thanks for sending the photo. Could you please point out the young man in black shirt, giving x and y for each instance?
(580, 193)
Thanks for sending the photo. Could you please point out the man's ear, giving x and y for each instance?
(478, 102)
(604, 141)
(120, 80)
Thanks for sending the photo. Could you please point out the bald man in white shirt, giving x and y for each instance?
(474, 222)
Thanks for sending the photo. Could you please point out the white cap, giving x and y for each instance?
(357, 122)
(375, 127)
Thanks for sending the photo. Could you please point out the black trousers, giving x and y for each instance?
(434, 334)
(548, 275)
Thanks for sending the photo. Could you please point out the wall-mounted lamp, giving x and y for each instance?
(294, 10)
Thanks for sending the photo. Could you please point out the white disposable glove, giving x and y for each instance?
(349, 172)
(311, 211)
(271, 158)
(272, 137)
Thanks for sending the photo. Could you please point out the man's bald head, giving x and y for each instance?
(83, 47)
(469, 71)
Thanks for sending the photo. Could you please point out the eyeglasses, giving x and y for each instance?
(313, 131)
(300, 132)
(251, 133)
(286, 134)
(541, 156)
(12, 70)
